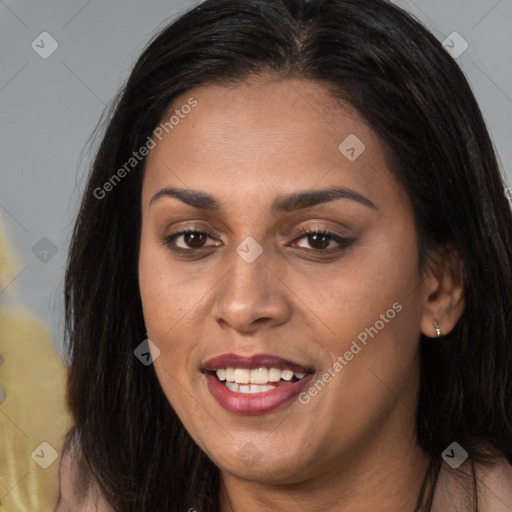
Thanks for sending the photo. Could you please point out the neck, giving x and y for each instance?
(386, 475)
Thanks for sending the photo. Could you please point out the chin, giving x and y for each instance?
(249, 463)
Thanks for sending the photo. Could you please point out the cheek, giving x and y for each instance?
(153, 285)
(162, 310)
(380, 272)
(373, 309)
(164, 294)
(170, 295)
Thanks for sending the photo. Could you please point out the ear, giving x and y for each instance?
(443, 293)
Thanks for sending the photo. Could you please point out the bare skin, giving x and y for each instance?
(352, 446)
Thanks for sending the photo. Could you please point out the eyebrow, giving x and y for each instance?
(288, 203)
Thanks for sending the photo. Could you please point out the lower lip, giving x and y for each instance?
(254, 403)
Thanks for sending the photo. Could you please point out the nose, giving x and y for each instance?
(253, 295)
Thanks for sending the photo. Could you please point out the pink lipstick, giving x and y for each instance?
(256, 384)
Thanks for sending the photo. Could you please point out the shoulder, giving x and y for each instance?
(76, 495)
(454, 490)
(495, 486)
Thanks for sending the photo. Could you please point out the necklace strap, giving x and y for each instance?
(426, 496)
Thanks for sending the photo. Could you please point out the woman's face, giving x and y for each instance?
(252, 163)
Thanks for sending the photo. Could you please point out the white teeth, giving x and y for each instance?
(244, 388)
(247, 388)
(260, 389)
(274, 374)
(241, 376)
(232, 386)
(258, 376)
(287, 375)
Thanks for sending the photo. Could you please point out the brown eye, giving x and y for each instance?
(193, 239)
(319, 240)
(190, 239)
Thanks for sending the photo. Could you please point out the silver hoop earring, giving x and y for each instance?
(438, 330)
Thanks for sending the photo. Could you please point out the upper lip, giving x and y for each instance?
(253, 362)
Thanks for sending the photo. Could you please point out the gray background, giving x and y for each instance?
(50, 107)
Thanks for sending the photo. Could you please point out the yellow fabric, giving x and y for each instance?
(33, 376)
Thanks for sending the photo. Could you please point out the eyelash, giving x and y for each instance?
(343, 243)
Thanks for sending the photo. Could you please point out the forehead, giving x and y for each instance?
(261, 136)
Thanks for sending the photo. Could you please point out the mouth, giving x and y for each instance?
(254, 385)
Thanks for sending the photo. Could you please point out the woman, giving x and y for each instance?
(290, 280)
